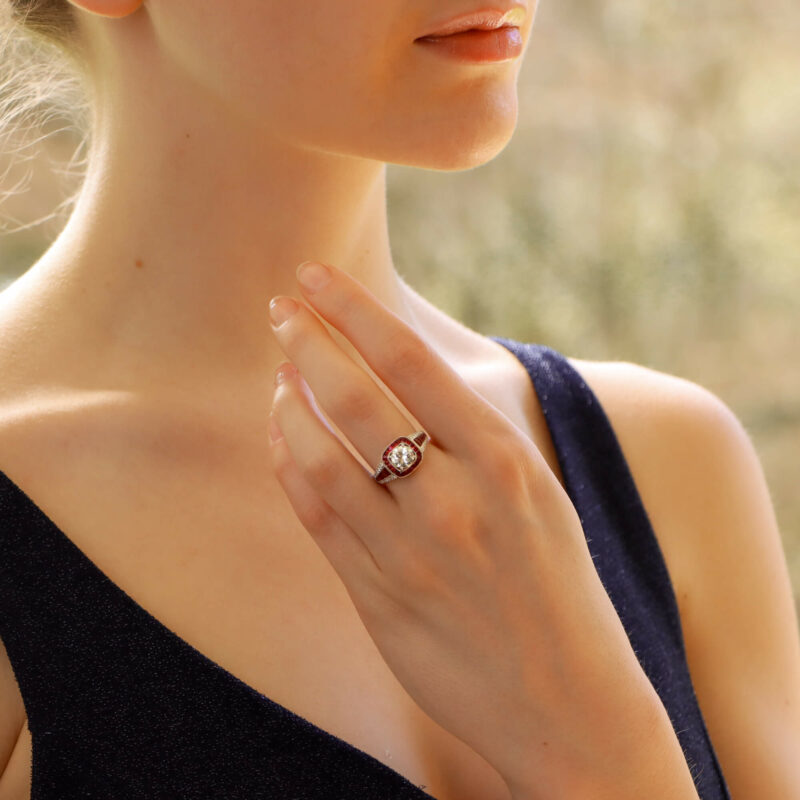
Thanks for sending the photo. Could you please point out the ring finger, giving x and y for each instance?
(346, 393)
(334, 474)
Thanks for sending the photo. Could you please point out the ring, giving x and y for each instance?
(401, 457)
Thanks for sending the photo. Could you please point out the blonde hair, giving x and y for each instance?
(44, 92)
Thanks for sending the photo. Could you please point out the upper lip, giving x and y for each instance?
(485, 19)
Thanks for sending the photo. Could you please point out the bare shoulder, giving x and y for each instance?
(663, 423)
(639, 390)
(33, 411)
(704, 488)
(676, 436)
(39, 416)
(46, 400)
(683, 445)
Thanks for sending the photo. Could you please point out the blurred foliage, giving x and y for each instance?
(646, 209)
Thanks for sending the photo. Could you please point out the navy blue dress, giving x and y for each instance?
(121, 707)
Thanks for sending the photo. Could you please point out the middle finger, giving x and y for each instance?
(351, 399)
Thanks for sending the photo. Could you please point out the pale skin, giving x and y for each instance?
(226, 159)
(463, 592)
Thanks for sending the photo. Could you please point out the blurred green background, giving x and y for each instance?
(646, 209)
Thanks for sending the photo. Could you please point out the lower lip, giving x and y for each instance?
(500, 44)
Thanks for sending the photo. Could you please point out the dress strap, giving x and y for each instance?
(623, 546)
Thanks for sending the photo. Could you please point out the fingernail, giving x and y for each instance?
(280, 309)
(283, 372)
(313, 276)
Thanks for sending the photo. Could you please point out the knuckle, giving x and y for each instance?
(318, 516)
(506, 461)
(445, 517)
(517, 466)
(520, 471)
(408, 357)
(535, 476)
(355, 402)
(345, 303)
(322, 469)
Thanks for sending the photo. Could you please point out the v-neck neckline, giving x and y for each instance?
(197, 654)
(558, 385)
(177, 639)
(155, 622)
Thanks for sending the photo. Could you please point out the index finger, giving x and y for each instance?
(432, 391)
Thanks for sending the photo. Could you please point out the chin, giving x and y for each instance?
(451, 136)
(457, 147)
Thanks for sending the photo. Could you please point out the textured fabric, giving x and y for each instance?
(121, 707)
(623, 546)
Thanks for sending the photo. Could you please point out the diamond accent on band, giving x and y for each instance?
(401, 456)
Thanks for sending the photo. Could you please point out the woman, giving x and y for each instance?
(436, 576)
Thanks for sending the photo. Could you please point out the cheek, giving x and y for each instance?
(290, 64)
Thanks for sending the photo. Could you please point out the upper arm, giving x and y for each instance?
(705, 491)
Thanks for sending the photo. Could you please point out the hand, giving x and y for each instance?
(472, 574)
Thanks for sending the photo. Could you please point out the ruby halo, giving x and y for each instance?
(402, 456)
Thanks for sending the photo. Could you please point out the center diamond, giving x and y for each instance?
(402, 456)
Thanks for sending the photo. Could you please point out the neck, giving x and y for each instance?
(189, 221)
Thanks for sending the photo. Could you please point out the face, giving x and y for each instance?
(346, 75)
